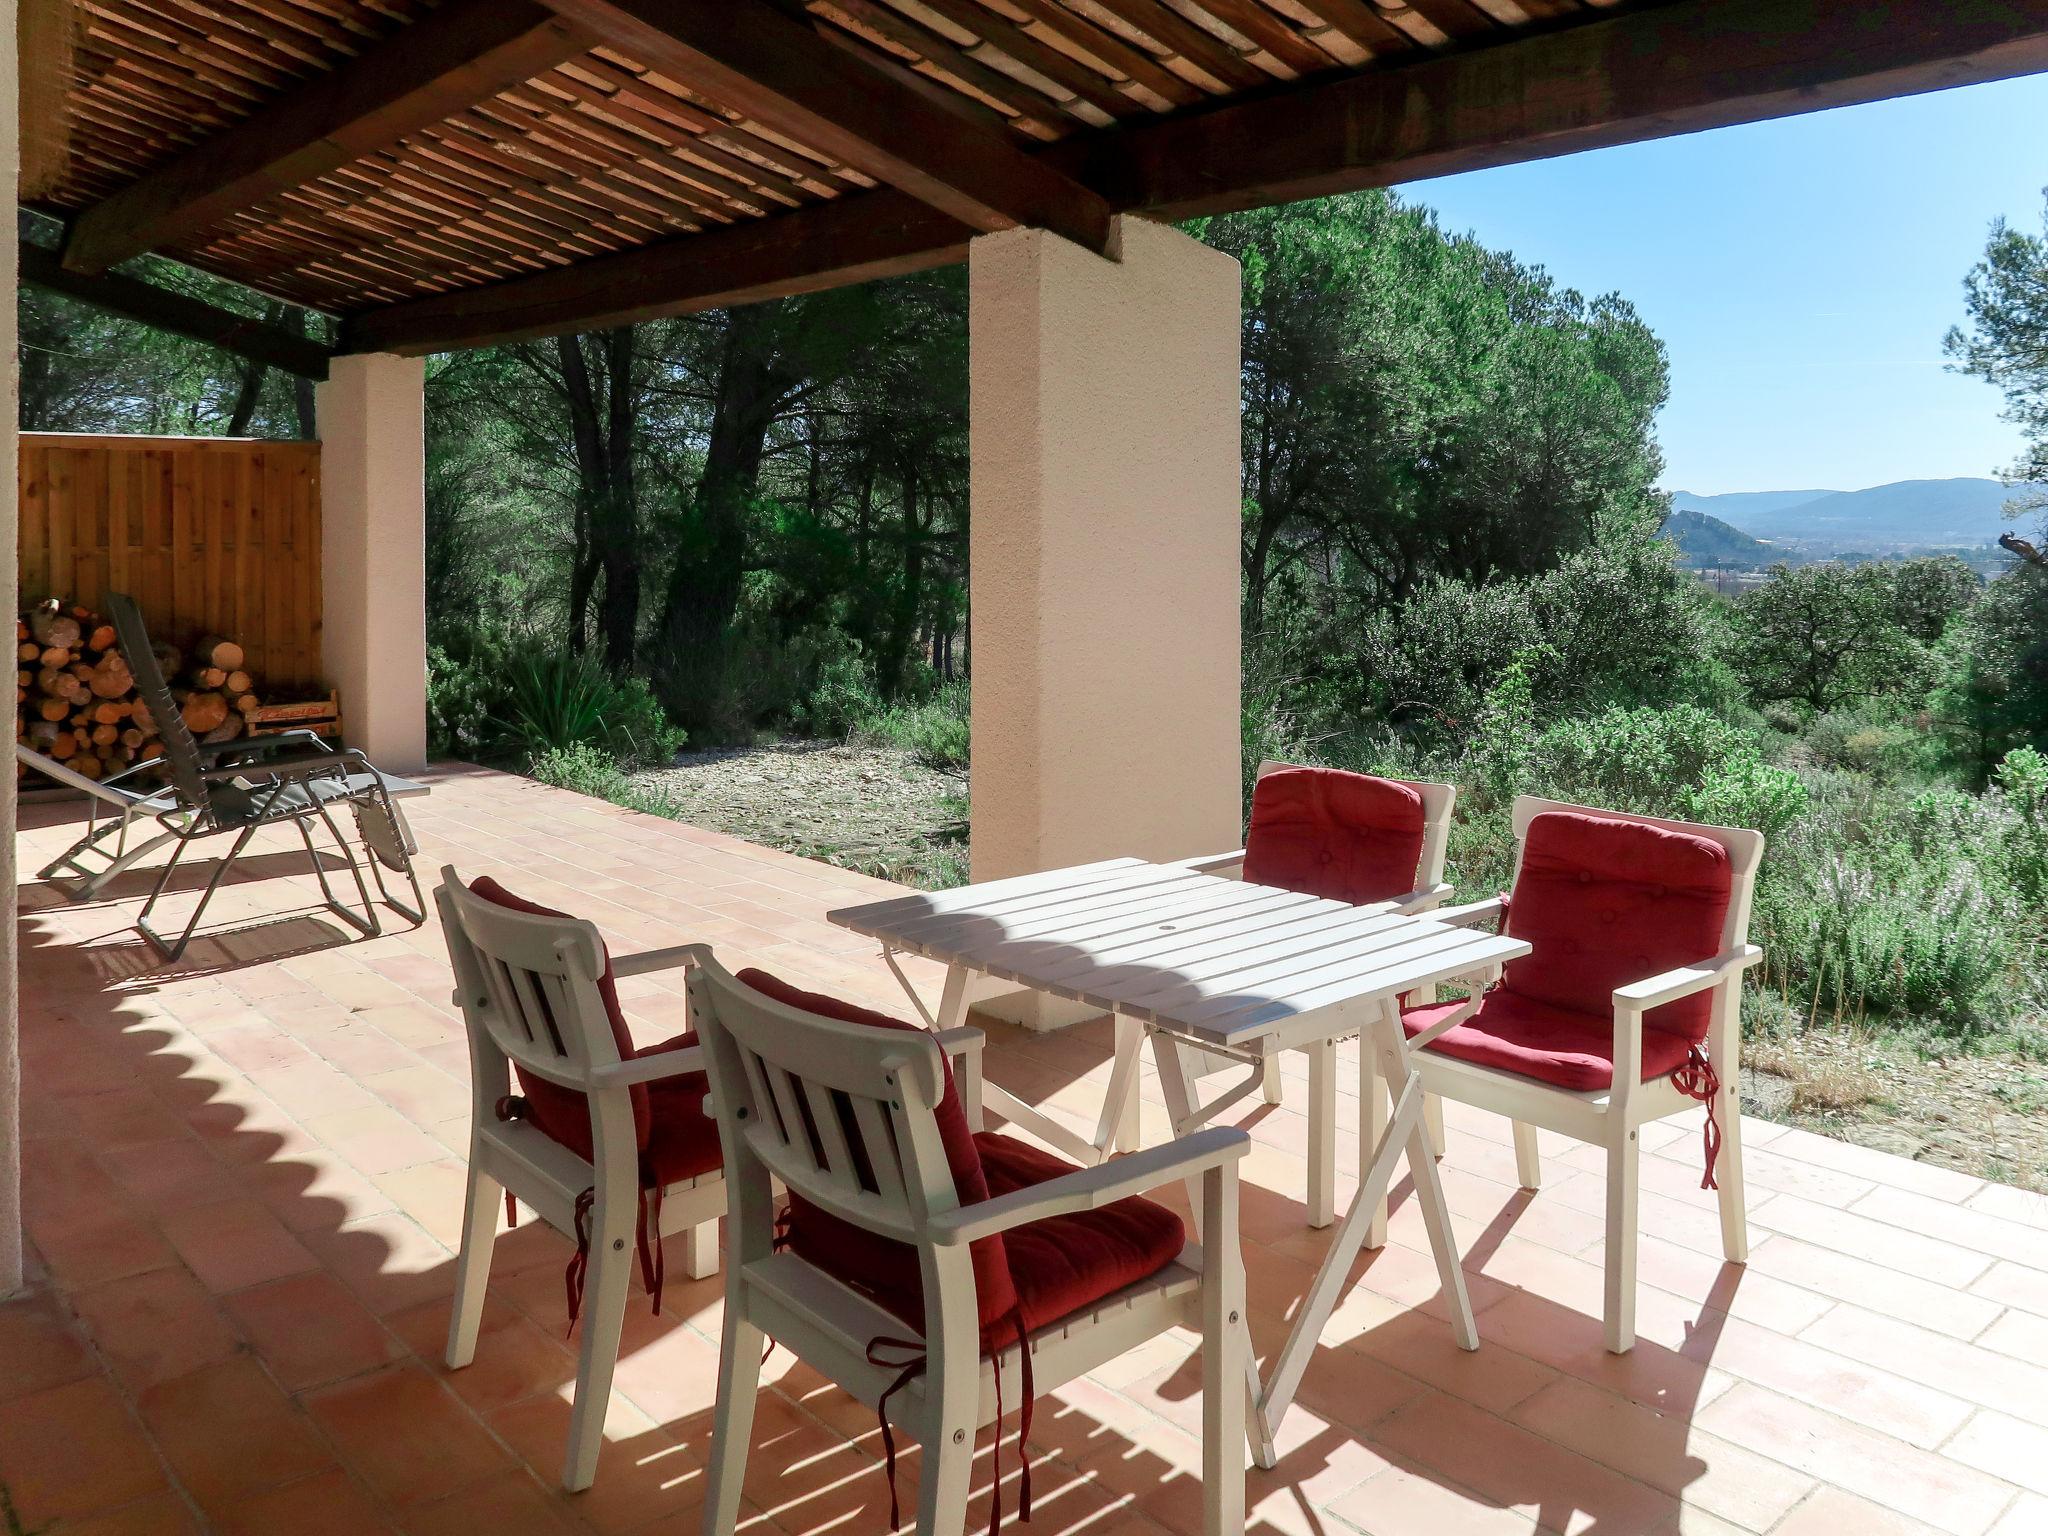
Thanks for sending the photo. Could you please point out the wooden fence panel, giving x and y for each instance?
(209, 535)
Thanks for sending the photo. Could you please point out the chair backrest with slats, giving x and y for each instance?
(841, 1113)
(528, 986)
(181, 749)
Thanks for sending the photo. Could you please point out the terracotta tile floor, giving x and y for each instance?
(244, 1172)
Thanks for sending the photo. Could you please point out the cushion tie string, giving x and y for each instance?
(1016, 1320)
(511, 1107)
(1696, 1078)
(909, 1354)
(579, 1262)
(653, 1258)
(911, 1362)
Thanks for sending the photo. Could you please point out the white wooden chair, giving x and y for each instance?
(846, 1115)
(1612, 1116)
(1424, 892)
(533, 988)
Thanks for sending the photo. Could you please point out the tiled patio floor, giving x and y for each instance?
(244, 1174)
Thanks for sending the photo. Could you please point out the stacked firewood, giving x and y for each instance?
(76, 700)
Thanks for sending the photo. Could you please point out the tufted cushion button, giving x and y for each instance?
(1607, 916)
(1585, 877)
(1325, 857)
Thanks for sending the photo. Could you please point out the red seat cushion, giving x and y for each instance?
(881, 1268)
(1061, 1264)
(1554, 1045)
(1606, 902)
(682, 1141)
(1343, 836)
(563, 1113)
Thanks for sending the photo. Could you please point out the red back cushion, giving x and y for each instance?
(1343, 836)
(1607, 902)
(880, 1267)
(563, 1113)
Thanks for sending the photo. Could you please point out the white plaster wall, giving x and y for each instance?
(371, 413)
(11, 1256)
(1104, 557)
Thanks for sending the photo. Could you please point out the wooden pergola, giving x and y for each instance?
(436, 176)
(439, 176)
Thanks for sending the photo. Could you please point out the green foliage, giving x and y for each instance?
(1823, 636)
(934, 731)
(2006, 343)
(1993, 692)
(522, 699)
(590, 770)
(555, 699)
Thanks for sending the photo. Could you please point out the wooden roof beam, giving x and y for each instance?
(756, 59)
(178, 313)
(457, 55)
(1638, 75)
(852, 239)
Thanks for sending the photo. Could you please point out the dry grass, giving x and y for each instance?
(1822, 1085)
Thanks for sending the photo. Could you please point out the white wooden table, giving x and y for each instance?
(1239, 970)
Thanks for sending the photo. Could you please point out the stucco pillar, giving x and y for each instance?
(11, 1257)
(1104, 555)
(372, 418)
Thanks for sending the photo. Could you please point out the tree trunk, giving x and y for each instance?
(889, 665)
(704, 584)
(602, 426)
(250, 389)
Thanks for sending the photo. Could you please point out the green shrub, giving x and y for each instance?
(2022, 791)
(556, 699)
(935, 731)
(465, 684)
(1866, 741)
(843, 696)
(590, 770)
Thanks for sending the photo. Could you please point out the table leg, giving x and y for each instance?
(1404, 1135)
(1322, 1133)
(1118, 1127)
(1374, 1102)
(1429, 1188)
(952, 1012)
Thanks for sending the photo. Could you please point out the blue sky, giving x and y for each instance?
(1801, 272)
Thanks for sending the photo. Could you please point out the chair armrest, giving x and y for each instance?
(1640, 996)
(1421, 901)
(1213, 863)
(651, 960)
(648, 1069)
(1089, 1189)
(963, 1045)
(1471, 912)
(963, 1048)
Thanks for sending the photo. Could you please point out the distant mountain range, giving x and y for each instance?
(1904, 515)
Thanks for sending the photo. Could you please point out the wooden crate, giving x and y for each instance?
(320, 716)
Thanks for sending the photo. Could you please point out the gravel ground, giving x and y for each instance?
(1985, 1115)
(874, 809)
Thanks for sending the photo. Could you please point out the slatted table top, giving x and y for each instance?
(1221, 961)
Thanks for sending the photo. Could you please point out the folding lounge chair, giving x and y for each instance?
(236, 787)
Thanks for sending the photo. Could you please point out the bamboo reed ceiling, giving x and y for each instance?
(541, 137)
